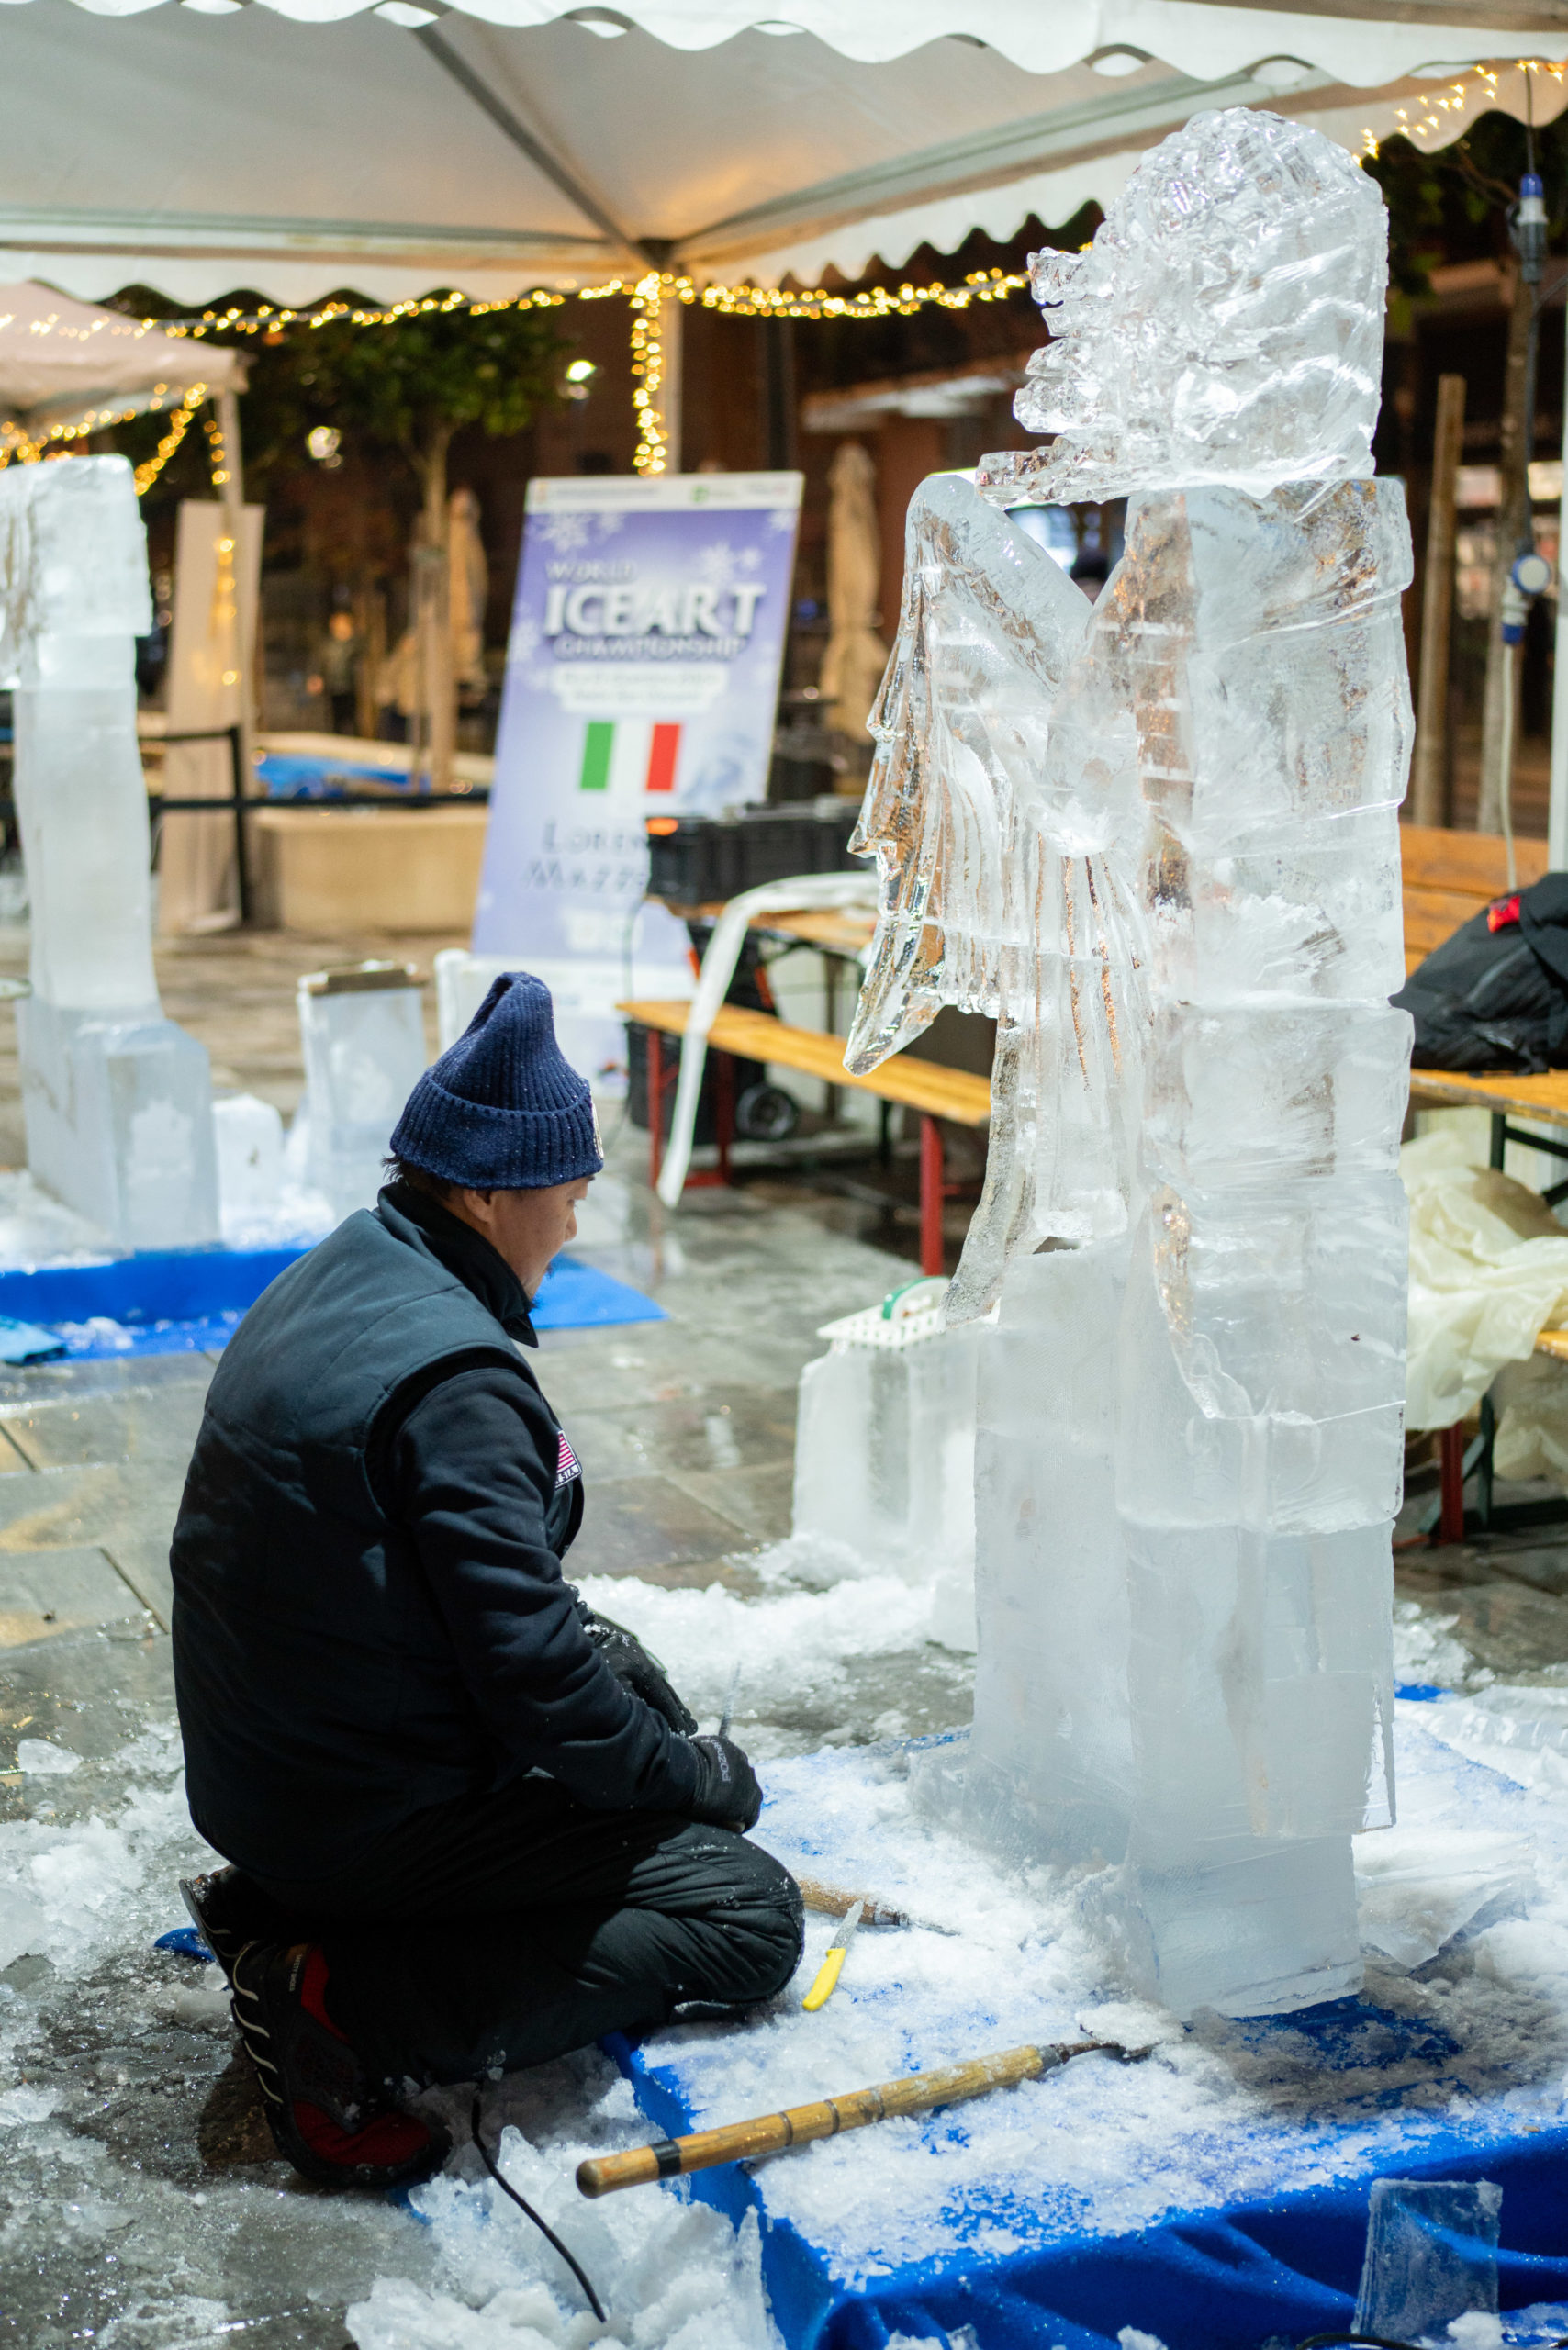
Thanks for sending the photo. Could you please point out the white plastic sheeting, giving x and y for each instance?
(200, 152)
(1488, 1273)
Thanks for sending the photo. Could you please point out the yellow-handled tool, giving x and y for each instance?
(771, 2132)
(832, 1966)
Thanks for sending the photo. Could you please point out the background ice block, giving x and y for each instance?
(116, 1099)
(364, 1037)
(885, 1447)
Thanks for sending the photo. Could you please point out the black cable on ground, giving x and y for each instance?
(545, 2230)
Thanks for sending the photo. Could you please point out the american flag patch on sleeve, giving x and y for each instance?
(566, 1465)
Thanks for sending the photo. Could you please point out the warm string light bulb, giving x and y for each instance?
(179, 424)
(1416, 123)
(18, 447)
(645, 295)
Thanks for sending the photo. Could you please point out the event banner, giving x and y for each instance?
(642, 679)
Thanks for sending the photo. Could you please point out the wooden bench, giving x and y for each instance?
(953, 1094)
(1448, 877)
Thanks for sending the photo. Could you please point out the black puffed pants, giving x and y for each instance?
(487, 1935)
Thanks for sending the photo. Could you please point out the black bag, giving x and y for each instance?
(1494, 996)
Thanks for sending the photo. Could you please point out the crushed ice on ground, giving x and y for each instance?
(36, 1229)
(795, 1643)
(1220, 2110)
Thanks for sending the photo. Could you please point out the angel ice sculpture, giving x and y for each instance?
(1158, 842)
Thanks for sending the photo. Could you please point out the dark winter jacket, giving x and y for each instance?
(369, 1611)
(1495, 994)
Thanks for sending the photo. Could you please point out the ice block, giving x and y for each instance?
(116, 1099)
(361, 1028)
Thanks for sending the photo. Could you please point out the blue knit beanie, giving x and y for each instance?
(503, 1110)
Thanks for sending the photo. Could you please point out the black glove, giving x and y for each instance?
(727, 1792)
(637, 1671)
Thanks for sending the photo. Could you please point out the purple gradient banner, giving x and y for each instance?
(642, 677)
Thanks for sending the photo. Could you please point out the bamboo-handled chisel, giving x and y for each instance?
(770, 2133)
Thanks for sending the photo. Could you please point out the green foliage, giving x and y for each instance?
(406, 388)
(1451, 203)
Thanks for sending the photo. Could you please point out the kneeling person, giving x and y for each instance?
(471, 1824)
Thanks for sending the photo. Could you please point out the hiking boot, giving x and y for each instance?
(326, 2115)
(228, 1911)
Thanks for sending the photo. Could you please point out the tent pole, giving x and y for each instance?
(1557, 816)
(671, 324)
(232, 492)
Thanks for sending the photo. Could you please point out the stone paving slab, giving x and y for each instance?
(160, 1426)
(44, 1594)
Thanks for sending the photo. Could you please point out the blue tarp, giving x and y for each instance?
(295, 775)
(189, 1299)
(1382, 2086)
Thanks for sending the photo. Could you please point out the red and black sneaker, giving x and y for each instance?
(326, 2116)
(228, 1911)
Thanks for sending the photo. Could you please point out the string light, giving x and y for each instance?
(179, 424)
(648, 371)
(876, 302)
(646, 295)
(1417, 123)
(218, 453)
(744, 301)
(22, 448)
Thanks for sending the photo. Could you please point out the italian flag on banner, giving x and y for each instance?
(629, 756)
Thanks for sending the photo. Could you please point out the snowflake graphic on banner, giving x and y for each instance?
(717, 564)
(564, 532)
(609, 524)
(750, 558)
(781, 519)
(524, 638)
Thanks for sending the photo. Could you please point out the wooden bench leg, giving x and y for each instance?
(1451, 1455)
(931, 1194)
(656, 1075)
(723, 1109)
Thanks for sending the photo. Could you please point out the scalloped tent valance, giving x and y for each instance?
(296, 147)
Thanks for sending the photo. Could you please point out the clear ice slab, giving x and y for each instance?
(362, 1034)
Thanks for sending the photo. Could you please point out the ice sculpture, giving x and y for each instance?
(116, 1099)
(362, 1033)
(1225, 325)
(1160, 842)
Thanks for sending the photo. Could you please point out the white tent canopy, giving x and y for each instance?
(65, 363)
(300, 149)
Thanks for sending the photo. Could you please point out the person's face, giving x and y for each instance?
(528, 1228)
(342, 627)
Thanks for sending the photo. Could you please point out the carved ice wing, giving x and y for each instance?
(989, 626)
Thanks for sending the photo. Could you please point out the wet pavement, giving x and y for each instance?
(140, 2202)
(140, 2206)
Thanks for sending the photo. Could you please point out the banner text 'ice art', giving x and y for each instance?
(642, 677)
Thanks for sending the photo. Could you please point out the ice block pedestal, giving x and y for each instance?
(885, 1449)
(117, 1100)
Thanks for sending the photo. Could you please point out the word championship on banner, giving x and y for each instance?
(641, 679)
